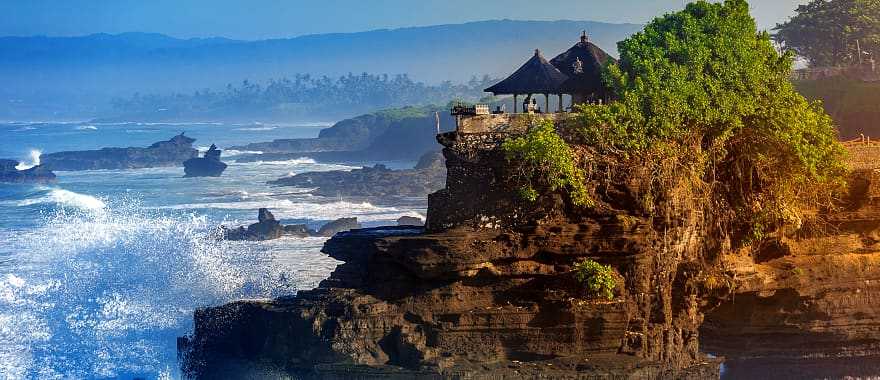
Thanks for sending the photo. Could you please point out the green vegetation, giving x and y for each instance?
(544, 156)
(307, 95)
(598, 279)
(706, 76)
(825, 31)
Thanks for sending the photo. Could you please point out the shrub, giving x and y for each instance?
(598, 279)
(706, 74)
(543, 157)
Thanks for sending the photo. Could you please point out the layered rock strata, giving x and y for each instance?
(806, 305)
(487, 288)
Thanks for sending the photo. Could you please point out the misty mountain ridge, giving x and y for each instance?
(45, 71)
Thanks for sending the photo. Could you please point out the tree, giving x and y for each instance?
(826, 32)
(706, 74)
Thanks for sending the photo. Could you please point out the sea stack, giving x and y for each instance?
(36, 174)
(207, 166)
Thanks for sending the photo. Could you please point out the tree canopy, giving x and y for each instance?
(706, 75)
(825, 31)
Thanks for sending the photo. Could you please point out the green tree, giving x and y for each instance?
(706, 75)
(825, 31)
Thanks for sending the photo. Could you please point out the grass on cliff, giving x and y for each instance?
(707, 80)
(598, 280)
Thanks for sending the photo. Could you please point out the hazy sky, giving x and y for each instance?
(257, 19)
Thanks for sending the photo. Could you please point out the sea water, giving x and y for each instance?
(101, 271)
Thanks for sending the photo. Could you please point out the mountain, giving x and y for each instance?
(50, 72)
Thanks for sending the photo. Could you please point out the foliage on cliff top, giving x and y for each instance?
(825, 31)
(544, 156)
(707, 73)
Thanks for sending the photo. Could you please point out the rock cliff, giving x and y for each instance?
(207, 166)
(487, 288)
(377, 181)
(806, 305)
(37, 174)
(172, 152)
(394, 134)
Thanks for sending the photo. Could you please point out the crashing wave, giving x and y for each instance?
(34, 160)
(132, 278)
(67, 198)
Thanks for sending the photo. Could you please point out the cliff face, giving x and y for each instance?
(36, 174)
(172, 152)
(487, 289)
(807, 305)
(378, 181)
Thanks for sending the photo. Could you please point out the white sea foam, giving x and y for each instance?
(34, 157)
(233, 152)
(286, 208)
(86, 128)
(113, 288)
(67, 198)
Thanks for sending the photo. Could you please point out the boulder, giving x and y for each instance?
(339, 225)
(207, 166)
(267, 228)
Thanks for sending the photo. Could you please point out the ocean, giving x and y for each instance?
(101, 271)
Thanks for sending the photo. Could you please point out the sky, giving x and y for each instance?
(261, 19)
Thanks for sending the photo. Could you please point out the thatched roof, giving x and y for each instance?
(536, 76)
(583, 65)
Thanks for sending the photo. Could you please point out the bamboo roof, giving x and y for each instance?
(536, 76)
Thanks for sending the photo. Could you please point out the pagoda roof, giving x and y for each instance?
(582, 64)
(536, 76)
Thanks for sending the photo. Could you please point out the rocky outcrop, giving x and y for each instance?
(37, 174)
(395, 134)
(410, 221)
(172, 152)
(339, 225)
(427, 176)
(207, 166)
(805, 305)
(268, 228)
(488, 289)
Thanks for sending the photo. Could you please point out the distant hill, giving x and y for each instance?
(50, 72)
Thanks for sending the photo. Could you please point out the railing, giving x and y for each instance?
(470, 110)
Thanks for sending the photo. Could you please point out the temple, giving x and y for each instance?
(576, 72)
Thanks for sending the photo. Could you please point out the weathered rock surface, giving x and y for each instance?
(172, 152)
(207, 166)
(36, 174)
(487, 291)
(268, 228)
(807, 306)
(428, 176)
